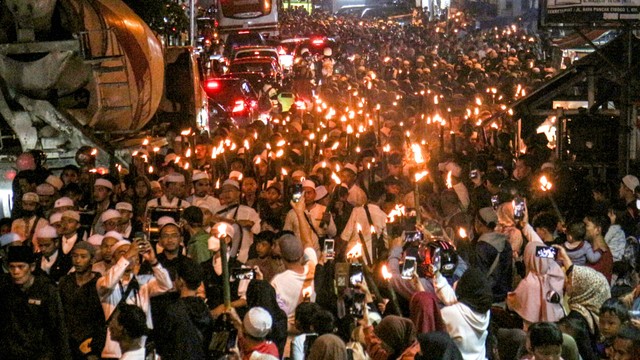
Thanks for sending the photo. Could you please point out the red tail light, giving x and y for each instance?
(317, 42)
(238, 106)
(243, 32)
(213, 85)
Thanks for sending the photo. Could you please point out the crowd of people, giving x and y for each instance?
(351, 228)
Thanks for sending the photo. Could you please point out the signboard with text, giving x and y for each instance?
(606, 13)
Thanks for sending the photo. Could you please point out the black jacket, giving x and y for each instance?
(32, 322)
(60, 267)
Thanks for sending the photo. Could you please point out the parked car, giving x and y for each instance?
(258, 70)
(235, 96)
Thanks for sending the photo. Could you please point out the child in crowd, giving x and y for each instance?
(579, 250)
(269, 266)
(544, 341)
(252, 333)
(613, 315)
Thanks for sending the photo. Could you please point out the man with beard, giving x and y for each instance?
(82, 310)
(30, 221)
(31, 320)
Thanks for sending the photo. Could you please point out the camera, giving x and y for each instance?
(518, 208)
(297, 192)
(356, 275)
(243, 273)
(546, 252)
(408, 267)
(413, 236)
(329, 249)
(495, 201)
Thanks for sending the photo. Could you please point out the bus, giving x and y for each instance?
(252, 15)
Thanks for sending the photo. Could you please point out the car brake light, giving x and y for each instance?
(243, 32)
(317, 42)
(238, 106)
(213, 85)
(254, 104)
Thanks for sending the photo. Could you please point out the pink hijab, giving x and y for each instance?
(544, 276)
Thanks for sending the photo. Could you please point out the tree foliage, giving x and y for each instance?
(162, 16)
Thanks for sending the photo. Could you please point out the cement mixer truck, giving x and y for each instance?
(74, 73)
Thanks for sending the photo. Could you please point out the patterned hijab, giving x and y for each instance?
(589, 289)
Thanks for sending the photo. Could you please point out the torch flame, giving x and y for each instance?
(372, 229)
(448, 182)
(417, 153)
(94, 152)
(284, 172)
(359, 227)
(386, 274)
(545, 185)
(355, 252)
(186, 132)
(222, 230)
(462, 232)
(420, 175)
(145, 142)
(335, 178)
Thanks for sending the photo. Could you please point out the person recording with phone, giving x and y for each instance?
(122, 284)
(320, 221)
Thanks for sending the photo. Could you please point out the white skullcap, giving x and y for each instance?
(55, 218)
(231, 182)
(55, 181)
(351, 167)
(31, 197)
(63, 202)
(235, 174)
(257, 322)
(630, 182)
(71, 215)
(123, 205)
(104, 182)
(321, 192)
(113, 234)
(174, 178)
(164, 220)
(45, 189)
(110, 214)
(47, 232)
(118, 245)
(170, 157)
(199, 175)
(95, 239)
(9, 238)
(309, 184)
(298, 173)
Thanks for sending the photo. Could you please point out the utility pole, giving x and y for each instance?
(192, 22)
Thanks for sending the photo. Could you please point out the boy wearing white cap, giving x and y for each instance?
(51, 261)
(314, 214)
(201, 190)
(71, 231)
(240, 216)
(252, 333)
(173, 191)
(29, 223)
(102, 191)
(125, 227)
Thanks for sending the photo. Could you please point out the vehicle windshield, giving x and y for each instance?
(259, 67)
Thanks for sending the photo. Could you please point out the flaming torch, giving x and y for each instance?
(386, 274)
(545, 186)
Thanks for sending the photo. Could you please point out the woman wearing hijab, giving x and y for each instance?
(394, 338)
(538, 297)
(328, 347)
(466, 316)
(425, 313)
(437, 345)
(261, 294)
(587, 290)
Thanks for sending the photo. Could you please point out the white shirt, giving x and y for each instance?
(134, 355)
(211, 202)
(289, 284)
(68, 243)
(243, 239)
(46, 265)
(356, 196)
(164, 202)
(359, 216)
(314, 214)
(110, 290)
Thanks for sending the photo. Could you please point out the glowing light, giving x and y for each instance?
(355, 252)
(545, 185)
(417, 153)
(186, 132)
(386, 274)
(462, 232)
(336, 178)
(420, 175)
(448, 182)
